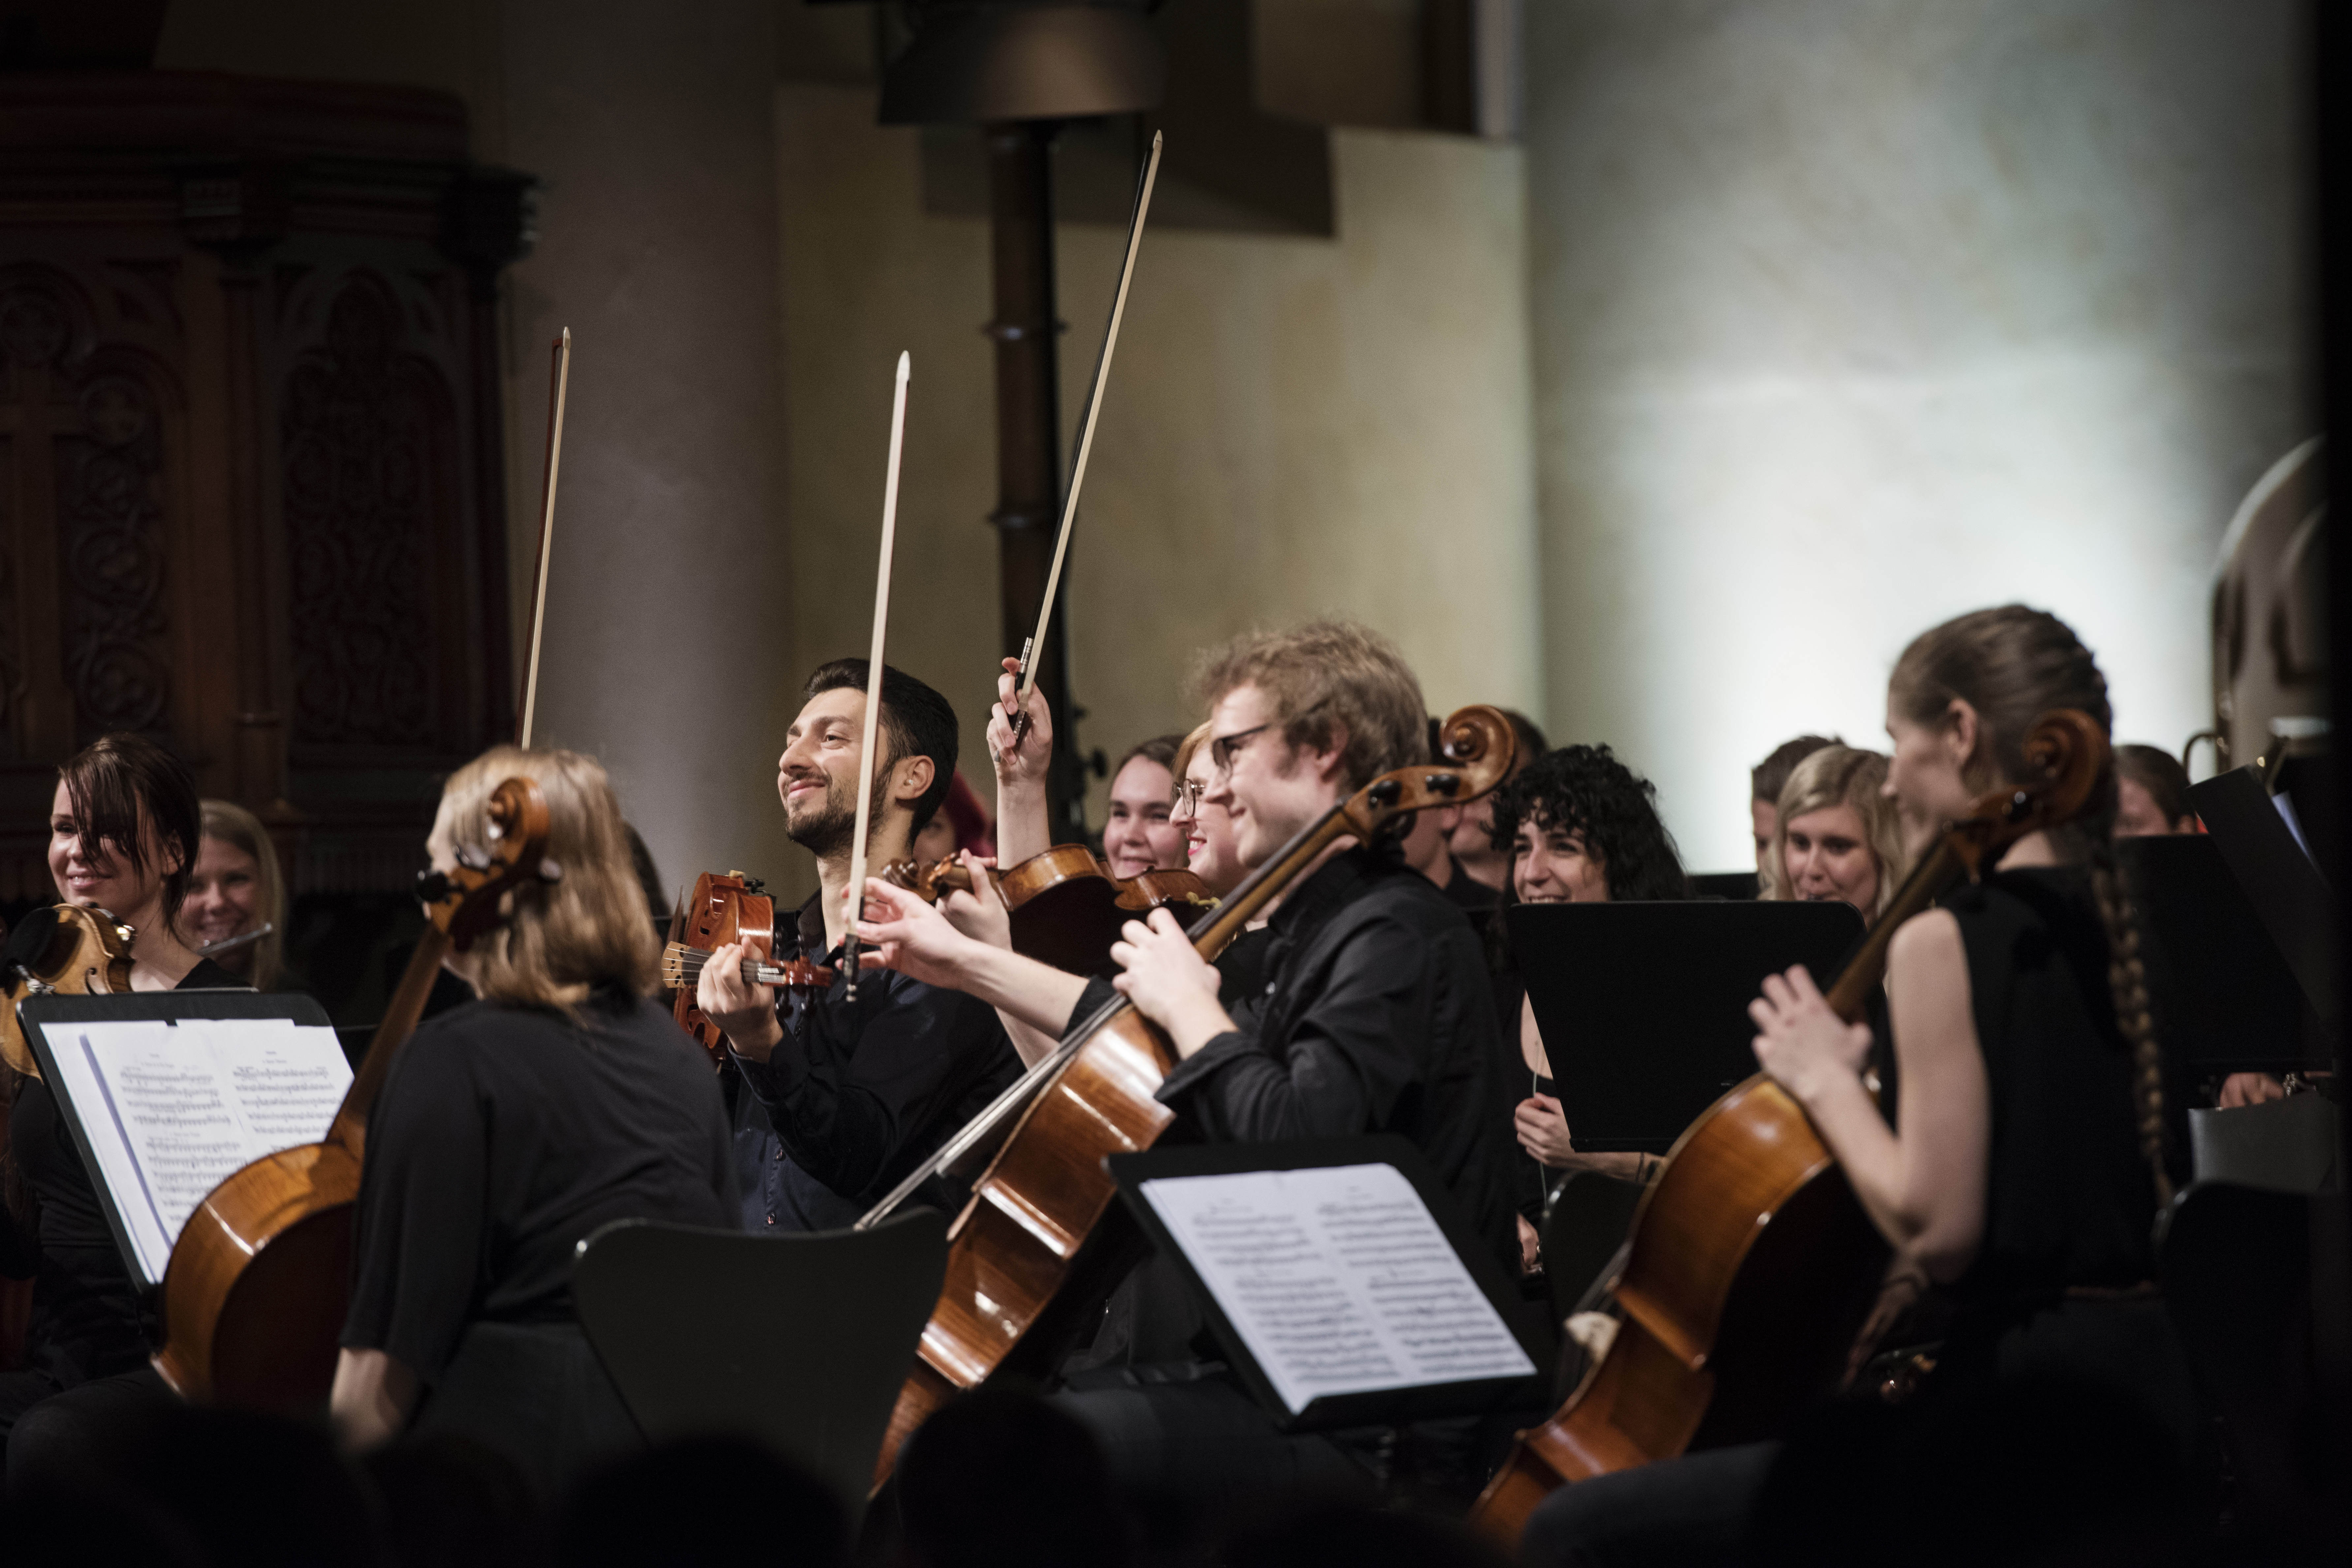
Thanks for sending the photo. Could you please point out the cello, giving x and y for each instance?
(1752, 1265)
(1041, 1238)
(255, 1293)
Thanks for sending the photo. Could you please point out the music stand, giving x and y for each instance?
(1644, 1006)
(2279, 879)
(801, 1343)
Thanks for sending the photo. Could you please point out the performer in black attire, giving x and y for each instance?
(2027, 1163)
(834, 1101)
(124, 830)
(510, 1130)
(1375, 1016)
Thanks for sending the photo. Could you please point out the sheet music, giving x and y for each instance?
(1338, 1279)
(171, 1109)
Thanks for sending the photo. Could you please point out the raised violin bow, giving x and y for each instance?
(1036, 640)
(558, 377)
(874, 676)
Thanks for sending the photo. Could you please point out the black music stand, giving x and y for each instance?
(1133, 1173)
(1644, 1006)
(2280, 880)
(801, 1343)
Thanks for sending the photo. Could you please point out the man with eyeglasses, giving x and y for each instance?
(1376, 1016)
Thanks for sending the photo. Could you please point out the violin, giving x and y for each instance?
(259, 1281)
(1042, 1238)
(1067, 907)
(1752, 1266)
(59, 949)
(730, 909)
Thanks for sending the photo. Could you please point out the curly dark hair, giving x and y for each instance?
(1586, 791)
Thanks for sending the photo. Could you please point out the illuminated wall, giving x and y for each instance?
(1849, 317)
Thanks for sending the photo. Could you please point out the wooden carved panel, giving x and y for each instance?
(111, 510)
(368, 434)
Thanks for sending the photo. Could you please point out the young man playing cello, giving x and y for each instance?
(1376, 1016)
(833, 1100)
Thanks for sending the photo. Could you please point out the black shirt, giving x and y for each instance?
(1376, 1016)
(2069, 1199)
(856, 1095)
(504, 1137)
(1472, 897)
(86, 1320)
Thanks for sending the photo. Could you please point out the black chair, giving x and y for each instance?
(801, 1343)
(2238, 1285)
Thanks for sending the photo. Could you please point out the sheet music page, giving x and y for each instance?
(1338, 1280)
(171, 1111)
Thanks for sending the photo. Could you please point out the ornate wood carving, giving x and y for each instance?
(251, 473)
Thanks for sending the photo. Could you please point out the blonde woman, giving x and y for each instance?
(511, 1128)
(236, 890)
(1838, 834)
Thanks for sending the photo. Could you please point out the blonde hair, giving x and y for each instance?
(1328, 679)
(1841, 775)
(588, 930)
(240, 829)
(1186, 749)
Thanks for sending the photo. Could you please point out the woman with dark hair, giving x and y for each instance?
(2026, 1164)
(124, 829)
(2152, 793)
(1581, 827)
(1138, 835)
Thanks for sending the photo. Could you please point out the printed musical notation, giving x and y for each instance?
(171, 1109)
(1338, 1280)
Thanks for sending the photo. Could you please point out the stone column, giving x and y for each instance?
(667, 646)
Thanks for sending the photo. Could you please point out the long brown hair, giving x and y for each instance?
(2012, 665)
(590, 930)
(119, 787)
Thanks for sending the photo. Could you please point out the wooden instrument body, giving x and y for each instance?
(724, 909)
(1751, 1269)
(1067, 907)
(1042, 1237)
(259, 1283)
(88, 953)
(1752, 1264)
(1033, 1239)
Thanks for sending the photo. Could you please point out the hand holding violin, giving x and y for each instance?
(978, 912)
(743, 1009)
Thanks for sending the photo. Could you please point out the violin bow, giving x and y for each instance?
(558, 377)
(874, 676)
(1033, 647)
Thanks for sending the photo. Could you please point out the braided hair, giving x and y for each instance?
(2012, 665)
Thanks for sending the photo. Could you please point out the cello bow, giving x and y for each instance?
(558, 377)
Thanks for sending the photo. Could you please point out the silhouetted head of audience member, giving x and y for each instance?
(2039, 1472)
(1001, 1479)
(1767, 778)
(256, 1491)
(2152, 788)
(707, 1500)
(1332, 1535)
(94, 1530)
(451, 1502)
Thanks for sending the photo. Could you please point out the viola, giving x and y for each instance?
(1752, 1265)
(1042, 1238)
(1067, 907)
(724, 910)
(64, 949)
(259, 1281)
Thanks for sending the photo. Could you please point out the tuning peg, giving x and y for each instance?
(549, 871)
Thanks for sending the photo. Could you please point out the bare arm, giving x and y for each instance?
(1925, 1188)
(372, 1398)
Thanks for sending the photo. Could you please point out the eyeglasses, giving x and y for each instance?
(1224, 748)
(1188, 797)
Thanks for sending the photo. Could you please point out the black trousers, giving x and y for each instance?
(75, 1438)
(537, 1394)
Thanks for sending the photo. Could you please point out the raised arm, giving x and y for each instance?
(1023, 827)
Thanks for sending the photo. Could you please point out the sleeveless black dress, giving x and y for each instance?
(2063, 1284)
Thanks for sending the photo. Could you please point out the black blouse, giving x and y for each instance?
(504, 1137)
(86, 1320)
(2069, 1200)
